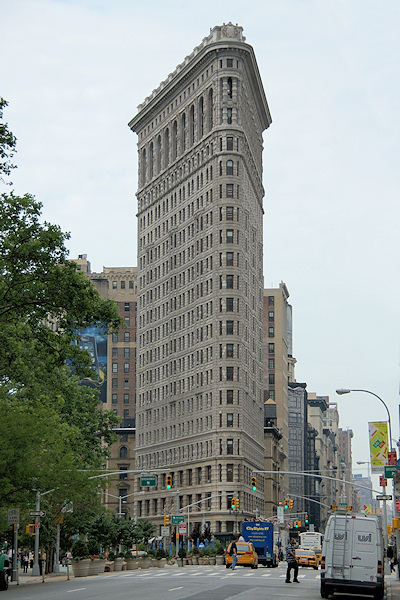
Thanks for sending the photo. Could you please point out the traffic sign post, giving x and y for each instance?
(150, 481)
(37, 513)
(13, 516)
(176, 519)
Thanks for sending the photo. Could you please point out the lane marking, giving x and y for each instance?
(174, 589)
(76, 590)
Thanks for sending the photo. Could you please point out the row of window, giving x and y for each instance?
(127, 367)
(114, 398)
(122, 285)
(189, 452)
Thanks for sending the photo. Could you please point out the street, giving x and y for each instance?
(172, 583)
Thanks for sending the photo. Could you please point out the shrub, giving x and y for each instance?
(79, 550)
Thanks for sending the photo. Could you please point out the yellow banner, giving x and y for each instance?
(378, 445)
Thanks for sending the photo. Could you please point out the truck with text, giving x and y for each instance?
(261, 535)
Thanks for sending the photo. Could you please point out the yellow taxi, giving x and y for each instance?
(247, 556)
(307, 558)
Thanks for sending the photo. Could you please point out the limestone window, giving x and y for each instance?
(200, 117)
(191, 125)
(229, 167)
(229, 396)
(210, 110)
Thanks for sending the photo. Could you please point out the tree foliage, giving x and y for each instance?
(51, 427)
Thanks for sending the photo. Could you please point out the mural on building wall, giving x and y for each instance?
(94, 340)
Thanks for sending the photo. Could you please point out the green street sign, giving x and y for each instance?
(175, 519)
(389, 471)
(150, 481)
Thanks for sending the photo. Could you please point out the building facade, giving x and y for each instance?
(200, 408)
(119, 370)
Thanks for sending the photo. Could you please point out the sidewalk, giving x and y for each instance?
(392, 585)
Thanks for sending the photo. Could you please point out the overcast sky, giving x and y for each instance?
(74, 72)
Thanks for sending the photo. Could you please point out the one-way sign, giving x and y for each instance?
(384, 497)
(37, 513)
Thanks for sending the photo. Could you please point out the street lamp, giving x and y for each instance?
(120, 498)
(342, 391)
(366, 462)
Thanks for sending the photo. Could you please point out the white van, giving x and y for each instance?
(352, 556)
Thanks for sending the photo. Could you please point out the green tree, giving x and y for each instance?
(51, 427)
(7, 144)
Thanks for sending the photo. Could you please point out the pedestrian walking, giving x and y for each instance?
(234, 554)
(25, 562)
(291, 562)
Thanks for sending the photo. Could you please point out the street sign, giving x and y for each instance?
(289, 524)
(37, 513)
(150, 481)
(165, 532)
(182, 528)
(175, 519)
(382, 481)
(13, 516)
(397, 501)
(389, 471)
(392, 457)
(384, 497)
(280, 516)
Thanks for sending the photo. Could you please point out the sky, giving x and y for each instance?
(74, 72)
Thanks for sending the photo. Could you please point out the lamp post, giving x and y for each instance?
(120, 499)
(342, 391)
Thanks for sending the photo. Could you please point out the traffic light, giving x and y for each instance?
(30, 529)
(169, 482)
(286, 503)
(306, 519)
(233, 503)
(237, 503)
(297, 524)
(290, 503)
(254, 483)
(166, 519)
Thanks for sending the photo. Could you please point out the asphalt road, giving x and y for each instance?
(187, 583)
(173, 583)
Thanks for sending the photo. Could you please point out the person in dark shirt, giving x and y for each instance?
(291, 562)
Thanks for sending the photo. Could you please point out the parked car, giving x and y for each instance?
(307, 558)
(247, 556)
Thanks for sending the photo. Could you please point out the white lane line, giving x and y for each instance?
(174, 589)
(76, 590)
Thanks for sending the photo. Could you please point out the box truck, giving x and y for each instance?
(353, 556)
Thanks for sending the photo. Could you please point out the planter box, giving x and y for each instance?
(132, 563)
(195, 560)
(159, 563)
(118, 564)
(94, 567)
(144, 563)
(212, 560)
(220, 559)
(80, 568)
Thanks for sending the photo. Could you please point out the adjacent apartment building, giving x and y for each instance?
(200, 399)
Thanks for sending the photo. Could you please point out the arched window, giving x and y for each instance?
(210, 110)
(144, 167)
(201, 117)
(151, 160)
(158, 158)
(183, 133)
(191, 126)
(123, 452)
(174, 140)
(229, 167)
(166, 148)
